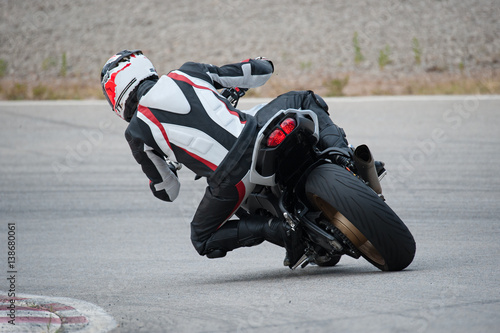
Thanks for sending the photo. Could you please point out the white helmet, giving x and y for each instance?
(121, 76)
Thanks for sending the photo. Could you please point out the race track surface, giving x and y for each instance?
(88, 228)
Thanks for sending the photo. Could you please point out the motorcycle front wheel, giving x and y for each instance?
(361, 216)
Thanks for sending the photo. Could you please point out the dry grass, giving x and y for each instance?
(345, 84)
(52, 90)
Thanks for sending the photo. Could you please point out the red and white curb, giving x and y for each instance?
(32, 313)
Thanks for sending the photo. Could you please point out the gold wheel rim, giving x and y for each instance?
(340, 222)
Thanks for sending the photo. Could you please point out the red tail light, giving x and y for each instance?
(278, 135)
(288, 125)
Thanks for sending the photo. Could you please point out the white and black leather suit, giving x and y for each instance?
(182, 117)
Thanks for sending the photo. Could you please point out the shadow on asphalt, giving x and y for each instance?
(287, 274)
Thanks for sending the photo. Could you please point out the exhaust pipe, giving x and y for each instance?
(365, 164)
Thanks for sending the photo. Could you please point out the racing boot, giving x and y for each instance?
(249, 231)
(253, 230)
(357, 160)
(294, 245)
(330, 135)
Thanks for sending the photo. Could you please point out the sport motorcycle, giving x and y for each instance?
(336, 200)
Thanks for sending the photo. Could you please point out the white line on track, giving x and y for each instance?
(97, 320)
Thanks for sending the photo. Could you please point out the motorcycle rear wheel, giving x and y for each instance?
(361, 216)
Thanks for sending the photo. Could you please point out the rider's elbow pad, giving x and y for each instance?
(162, 195)
(168, 190)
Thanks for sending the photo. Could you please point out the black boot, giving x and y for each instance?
(330, 135)
(294, 245)
(253, 230)
(249, 231)
(223, 240)
(278, 232)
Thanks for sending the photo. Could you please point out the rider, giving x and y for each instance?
(181, 118)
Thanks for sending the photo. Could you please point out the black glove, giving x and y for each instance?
(264, 58)
(233, 94)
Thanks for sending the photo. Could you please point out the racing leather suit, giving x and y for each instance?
(182, 117)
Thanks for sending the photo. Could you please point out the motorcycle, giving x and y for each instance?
(338, 205)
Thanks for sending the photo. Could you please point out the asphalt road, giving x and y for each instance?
(88, 228)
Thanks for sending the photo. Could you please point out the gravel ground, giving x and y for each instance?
(43, 40)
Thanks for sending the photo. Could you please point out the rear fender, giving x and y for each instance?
(261, 154)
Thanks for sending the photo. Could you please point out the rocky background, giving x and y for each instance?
(56, 48)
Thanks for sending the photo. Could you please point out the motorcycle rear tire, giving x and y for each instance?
(362, 216)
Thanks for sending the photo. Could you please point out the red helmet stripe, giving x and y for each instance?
(111, 86)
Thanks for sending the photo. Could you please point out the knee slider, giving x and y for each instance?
(216, 254)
